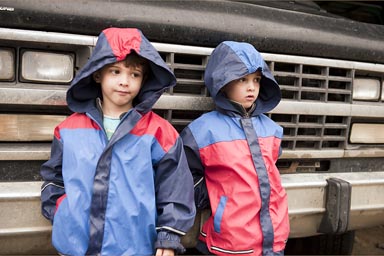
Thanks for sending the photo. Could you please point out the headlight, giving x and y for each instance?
(366, 89)
(382, 91)
(7, 64)
(367, 133)
(47, 67)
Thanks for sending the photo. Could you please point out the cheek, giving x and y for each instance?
(234, 92)
(105, 90)
(107, 80)
(139, 84)
(137, 87)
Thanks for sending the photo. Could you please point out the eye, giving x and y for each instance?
(242, 80)
(114, 71)
(258, 79)
(136, 74)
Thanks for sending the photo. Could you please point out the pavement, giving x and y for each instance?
(369, 241)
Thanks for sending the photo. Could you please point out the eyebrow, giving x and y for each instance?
(112, 66)
(135, 67)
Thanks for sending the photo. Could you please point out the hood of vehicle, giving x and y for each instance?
(302, 30)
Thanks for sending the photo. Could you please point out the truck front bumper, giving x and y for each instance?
(23, 230)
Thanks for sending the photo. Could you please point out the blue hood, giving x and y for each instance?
(233, 60)
(113, 45)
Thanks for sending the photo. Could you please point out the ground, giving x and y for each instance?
(369, 241)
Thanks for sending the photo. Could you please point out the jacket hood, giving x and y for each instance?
(233, 60)
(113, 45)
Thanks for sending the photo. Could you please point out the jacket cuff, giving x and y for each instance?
(169, 240)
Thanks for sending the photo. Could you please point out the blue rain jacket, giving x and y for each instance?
(128, 195)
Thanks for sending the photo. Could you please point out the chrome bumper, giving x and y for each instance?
(23, 230)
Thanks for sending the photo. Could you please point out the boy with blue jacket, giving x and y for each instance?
(232, 153)
(117, 181)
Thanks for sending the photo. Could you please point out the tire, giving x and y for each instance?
(341, 244)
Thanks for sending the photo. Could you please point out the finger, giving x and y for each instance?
(159, 252)
(168, 252)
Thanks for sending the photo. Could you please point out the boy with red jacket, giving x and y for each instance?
(232, 153)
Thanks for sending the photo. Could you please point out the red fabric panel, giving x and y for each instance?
(153, 124)
(124, 43)
(229, 171)
(76, 121)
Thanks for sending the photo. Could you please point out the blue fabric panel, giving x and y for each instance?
(101, 187)
(232, 60)
(197, 169)
(265, 127)
(53, 187)
(265, 189)
(219, 213)
(78, 185)
(224, 67)
(175, 185)
(206, 132)
(246, 52)
(132, 178)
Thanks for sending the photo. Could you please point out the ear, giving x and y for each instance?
(97, 76)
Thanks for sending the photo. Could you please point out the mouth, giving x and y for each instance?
(250, 97)
(123, 92)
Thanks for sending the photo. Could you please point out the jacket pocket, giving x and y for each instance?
(219, 213)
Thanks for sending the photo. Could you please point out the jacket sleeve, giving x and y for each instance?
(197, 169)
(174, 198)
(53, 186)
(280, 150)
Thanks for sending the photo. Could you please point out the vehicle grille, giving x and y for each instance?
(312, 131)
(313, 83)
(298, 82)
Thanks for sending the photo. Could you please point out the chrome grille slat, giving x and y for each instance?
(190, 82)
(311, 138)
(187, 66)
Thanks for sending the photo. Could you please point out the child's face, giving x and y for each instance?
(120, 84)
(244, 90)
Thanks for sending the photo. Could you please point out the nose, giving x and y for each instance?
(251, 86)
(124, 80)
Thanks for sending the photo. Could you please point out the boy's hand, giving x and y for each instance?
(165, 252)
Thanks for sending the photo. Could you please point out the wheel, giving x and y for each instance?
(341, 244)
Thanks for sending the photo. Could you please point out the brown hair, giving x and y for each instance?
(131, 60)
(135, 60)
